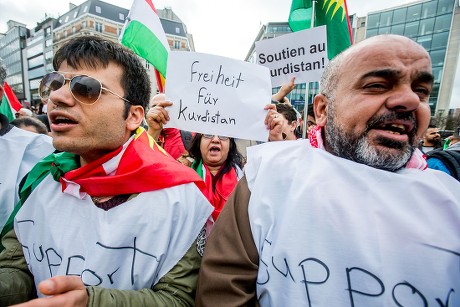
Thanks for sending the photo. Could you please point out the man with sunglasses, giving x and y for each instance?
(111, 219)
(351, 217)
(19, 151)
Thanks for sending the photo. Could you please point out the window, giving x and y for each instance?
(371, 32)
(66, 18)
(121, 16)
(442, 23)
(413, 12)
(373, 21)
(445, 6)
(48, 43)
(98, 26)
(34, 62)
(75, 14)
(437, 73)
(426, 26)
(397, 29)
(411, 29)
(176, 44)
(177, 30)
(440, 40)
(386, 19)
(437, 57)
(429, 9)
(83, 24)
(385, 30)
(74, 30)
(49, 55)
(425, 41)
(48, 31)
(399, 15)
(85, 9)
(34, 84)
(98, 9)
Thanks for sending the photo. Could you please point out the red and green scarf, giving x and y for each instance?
(219, 193)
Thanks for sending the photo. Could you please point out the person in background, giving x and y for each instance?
(431, 138)
(218, 161)
(19, 151)
(111, 220)
(24, 112)
(285, 120)
(447, 160)
(357, 219)
(31, 124)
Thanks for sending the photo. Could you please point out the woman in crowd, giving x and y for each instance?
(219, 163)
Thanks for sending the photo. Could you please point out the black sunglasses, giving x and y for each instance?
(210, 136)
(85, 89)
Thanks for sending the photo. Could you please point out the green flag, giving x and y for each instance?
(300, 16)
(5, 108)
(332, 13)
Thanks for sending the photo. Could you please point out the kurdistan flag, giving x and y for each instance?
(144, 34)
(332, 13)
(10, 103)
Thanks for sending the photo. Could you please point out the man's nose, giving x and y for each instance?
(403, 98)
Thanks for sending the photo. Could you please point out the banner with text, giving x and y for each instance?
(301, 54)
(217, 95)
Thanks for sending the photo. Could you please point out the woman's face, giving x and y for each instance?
(214, 149)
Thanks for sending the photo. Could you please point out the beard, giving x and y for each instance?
(357, 147)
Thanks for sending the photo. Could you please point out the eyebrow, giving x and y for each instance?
(393, 74)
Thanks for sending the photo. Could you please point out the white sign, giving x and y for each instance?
(217, 95)
(300, 54)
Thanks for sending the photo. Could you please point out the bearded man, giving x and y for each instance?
(351, 217)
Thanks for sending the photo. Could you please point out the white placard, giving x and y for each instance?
(301, 54)
(217, 95)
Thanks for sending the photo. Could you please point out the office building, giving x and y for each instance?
(12, 44)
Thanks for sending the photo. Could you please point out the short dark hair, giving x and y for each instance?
(29, 121)
(234, 158)
(96, 52)
(287, 111)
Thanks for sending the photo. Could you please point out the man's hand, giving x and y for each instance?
(273, 121)
(157, 117)
(284, 91)
(61, 291)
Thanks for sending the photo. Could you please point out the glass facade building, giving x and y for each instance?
(429, 23)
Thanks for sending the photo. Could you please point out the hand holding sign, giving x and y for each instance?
(217, 95)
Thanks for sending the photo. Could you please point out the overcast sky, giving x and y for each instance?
(225, 28)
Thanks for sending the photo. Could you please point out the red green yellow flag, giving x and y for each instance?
(10, 103)
(332, 13)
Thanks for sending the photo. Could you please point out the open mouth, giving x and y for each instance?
(395, 128)
(214, 149)
(61, 120)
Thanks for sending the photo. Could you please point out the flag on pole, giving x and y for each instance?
(10, 103)
(144, 34)
(332, 13)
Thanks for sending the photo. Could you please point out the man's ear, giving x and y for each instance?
(320, 108)
(135, 117)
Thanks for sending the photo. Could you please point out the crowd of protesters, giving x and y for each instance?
(118, 211)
